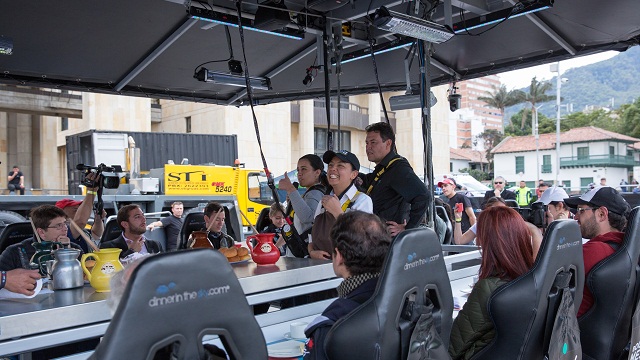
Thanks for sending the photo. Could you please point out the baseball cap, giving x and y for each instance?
(67, 202)
(449, 181)
(553, 193)
(343, 155)
(602, 196)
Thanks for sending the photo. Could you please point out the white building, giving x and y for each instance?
(587, 155)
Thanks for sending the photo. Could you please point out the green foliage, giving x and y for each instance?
(477, 174)
(536, 95)
(630, 119)
(500, 98)
(491, 138)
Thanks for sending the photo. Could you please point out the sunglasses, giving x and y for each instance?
(498, 182)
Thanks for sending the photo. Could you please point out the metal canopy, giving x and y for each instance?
(151, 47)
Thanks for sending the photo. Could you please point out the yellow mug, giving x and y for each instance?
(107, 264)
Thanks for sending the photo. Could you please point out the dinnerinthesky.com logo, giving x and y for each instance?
(413, 261)
(161, 299)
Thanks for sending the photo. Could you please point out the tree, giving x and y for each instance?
(630, 116)
(536, 95)
(500, 99)
(491, 138)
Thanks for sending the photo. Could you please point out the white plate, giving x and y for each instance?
(286, 349)
(287, 335)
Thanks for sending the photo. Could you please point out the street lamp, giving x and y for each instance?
(537, 137)
(556, 68)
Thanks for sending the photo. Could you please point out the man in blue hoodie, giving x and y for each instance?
(360, 245)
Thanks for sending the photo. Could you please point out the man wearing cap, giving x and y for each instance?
(341, 172)
(398, 195)
(498, 191)
(602, 214)
(448, 186)
(79, 212)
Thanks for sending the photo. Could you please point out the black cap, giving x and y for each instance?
(343, 155)
(602, 196)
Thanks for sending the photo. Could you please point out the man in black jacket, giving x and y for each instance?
(399, 197)
(499, 191)
(134, 224)
(360, 243)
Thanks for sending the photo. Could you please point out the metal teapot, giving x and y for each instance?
(66, 272)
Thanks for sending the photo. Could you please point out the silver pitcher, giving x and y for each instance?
(66, 272)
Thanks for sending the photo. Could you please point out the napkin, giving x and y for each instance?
(289, 348)
(6, 294)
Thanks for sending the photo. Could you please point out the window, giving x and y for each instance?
(259, 190)
(612, 150)
(320, 143)
(584, 184)
(519, 164)
(546, 164)
(567, 185)
(64, 124)
(583, 153)
(187, 121)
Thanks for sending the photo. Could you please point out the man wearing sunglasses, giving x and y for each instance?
(602, 214)
(498, 191)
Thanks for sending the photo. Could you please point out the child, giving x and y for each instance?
(277, 218)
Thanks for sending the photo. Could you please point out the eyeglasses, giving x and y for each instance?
(59, 226)
(579, 211)
(497, 182)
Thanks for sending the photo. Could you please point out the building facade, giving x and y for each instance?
(587, 155)
(35, 123)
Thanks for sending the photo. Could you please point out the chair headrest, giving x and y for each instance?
(165, 300)
(414, 267)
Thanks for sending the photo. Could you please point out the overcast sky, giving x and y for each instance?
(521, 78)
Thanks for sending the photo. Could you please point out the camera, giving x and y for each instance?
(536, 214)
(108, 176)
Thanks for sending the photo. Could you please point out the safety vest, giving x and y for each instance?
(523, 196)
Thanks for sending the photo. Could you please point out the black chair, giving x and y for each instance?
(111, 230)
(192, 222)
(523, 310)
(263, 219)
(172, 298)
(413, 274)
(448, 235)
(228, 228)
(15, 233)
(512, 203)
(605, 329)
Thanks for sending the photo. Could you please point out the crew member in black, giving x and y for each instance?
(399, 197)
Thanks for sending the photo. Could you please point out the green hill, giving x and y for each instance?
(597, 84)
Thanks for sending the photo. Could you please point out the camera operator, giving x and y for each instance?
(554, 197)
(461, 239)
(79, 212)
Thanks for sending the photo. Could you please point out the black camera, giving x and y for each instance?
(536, 214)
(108, 176)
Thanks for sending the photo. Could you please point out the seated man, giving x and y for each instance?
(602, 215)
(171, 224)
(360, 243)
(214, 221)
(133, 223)
(51, 225)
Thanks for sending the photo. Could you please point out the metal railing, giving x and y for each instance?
(597, 160)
